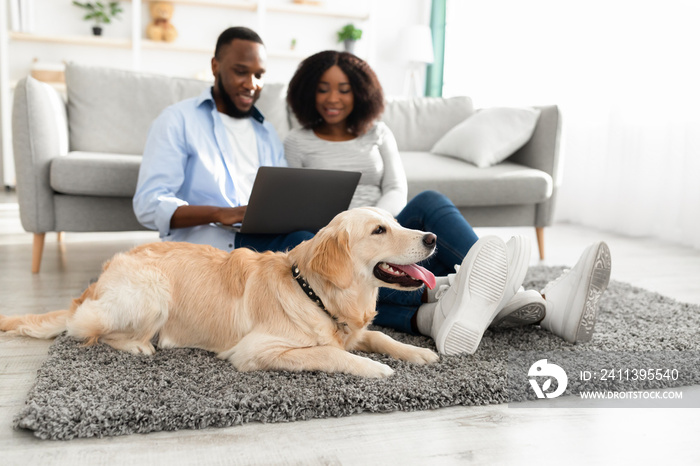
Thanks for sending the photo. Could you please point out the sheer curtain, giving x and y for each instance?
(626, 75)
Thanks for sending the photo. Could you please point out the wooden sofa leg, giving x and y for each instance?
(38, 251)
(540, 240)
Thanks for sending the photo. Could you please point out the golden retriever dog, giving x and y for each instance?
(301, 310)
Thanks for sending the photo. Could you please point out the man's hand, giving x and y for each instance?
(193, 215)
(231, 215)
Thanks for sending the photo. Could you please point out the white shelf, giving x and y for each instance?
(294, 8)
(317, 11)
(235, 5)
(97, 41)
(146, 44)
(230, 4)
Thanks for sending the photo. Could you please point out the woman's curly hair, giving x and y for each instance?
(367, 92)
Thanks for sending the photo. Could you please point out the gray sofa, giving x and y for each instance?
(77, 161)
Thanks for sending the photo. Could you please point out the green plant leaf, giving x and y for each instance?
(99, 12)
(349, 32)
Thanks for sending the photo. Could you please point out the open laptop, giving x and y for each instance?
(284, 200)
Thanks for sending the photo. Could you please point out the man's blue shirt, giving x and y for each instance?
(187, 160)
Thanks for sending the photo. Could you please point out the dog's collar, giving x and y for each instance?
(311, 294)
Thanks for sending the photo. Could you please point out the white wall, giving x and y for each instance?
(390, 17)
(625, 76)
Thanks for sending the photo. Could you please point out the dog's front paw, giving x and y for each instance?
(422, 356)
(376, 370)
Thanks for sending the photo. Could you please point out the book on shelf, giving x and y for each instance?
(21, 15)
(15, 20)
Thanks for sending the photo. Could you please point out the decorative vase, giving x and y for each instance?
(349, 45)
(96, 30)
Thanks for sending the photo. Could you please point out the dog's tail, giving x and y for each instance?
(44, 326)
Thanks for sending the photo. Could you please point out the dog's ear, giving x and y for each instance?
(332, 259)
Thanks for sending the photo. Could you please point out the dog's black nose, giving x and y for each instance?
(429, 240)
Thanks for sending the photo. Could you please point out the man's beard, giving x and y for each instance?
(231, 109)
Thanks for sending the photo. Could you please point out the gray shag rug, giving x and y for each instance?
(97, 391)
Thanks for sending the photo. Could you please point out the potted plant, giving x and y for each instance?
(349, 34)
(100, 13)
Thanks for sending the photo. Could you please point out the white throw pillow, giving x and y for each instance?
(489, 136)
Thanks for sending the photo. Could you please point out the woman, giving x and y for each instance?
(337, 99)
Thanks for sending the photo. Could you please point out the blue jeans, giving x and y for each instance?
(262, 243)
(429, 211)
(433, 212)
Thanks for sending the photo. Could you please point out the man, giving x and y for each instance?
(202, 154)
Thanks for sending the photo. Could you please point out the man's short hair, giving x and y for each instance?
(238, 32)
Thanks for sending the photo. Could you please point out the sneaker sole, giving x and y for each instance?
(597, 283)
(486, 285)
(522, 259)
(527, 315)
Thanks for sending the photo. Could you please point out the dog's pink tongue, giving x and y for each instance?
(419, 273)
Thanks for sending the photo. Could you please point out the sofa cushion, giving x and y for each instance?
(95, 174)
(418, 123)
(466, 185)
(490, 136)
(273, 105)
(111, 110)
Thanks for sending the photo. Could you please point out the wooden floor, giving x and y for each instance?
(500, 434)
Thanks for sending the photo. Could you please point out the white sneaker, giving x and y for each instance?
(468, 306)
(572, 299)
(525, 308)
(518, 249)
